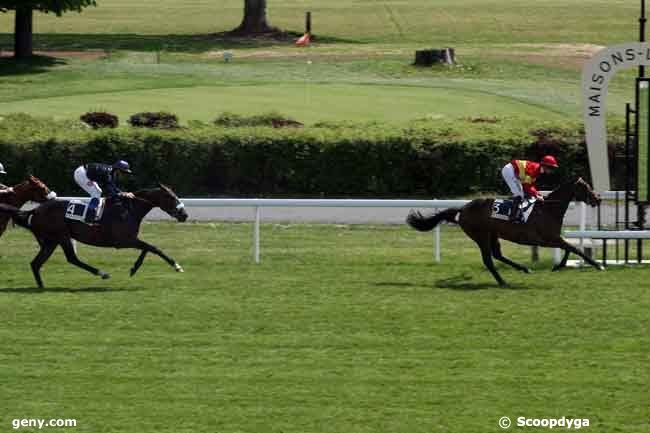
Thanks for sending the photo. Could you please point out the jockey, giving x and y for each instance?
(520, 175)
(96, 179)
(5, 190)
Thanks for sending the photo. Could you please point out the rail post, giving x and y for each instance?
(256, 234)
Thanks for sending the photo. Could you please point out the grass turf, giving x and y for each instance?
(340, 329)
(360, 64)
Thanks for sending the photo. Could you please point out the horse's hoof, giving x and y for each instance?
(104, 275)
(178, 268)
(527, 271)
(601, 268)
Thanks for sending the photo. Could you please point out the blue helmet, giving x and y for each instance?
(122, 166)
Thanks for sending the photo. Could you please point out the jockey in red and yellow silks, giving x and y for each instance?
(520, 175)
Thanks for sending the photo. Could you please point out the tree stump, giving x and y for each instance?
(445, 56)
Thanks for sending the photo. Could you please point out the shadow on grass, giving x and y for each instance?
(34, 65)
(174, 43)
(461, 282)
(30, 290)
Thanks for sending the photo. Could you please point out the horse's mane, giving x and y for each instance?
(564, 185)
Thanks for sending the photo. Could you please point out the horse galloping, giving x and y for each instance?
(543, 228)
(119, 228)
(31, 189)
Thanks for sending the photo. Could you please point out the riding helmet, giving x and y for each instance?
(550, 161)
(122, 166)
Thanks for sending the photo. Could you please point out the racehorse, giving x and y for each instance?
(119, 228)
(31, 189)
(543, 227)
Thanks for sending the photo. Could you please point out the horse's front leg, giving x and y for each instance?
(562, 263)
(568, 248)
(138, 262)
(148, 248)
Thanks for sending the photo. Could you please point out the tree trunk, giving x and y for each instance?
(23, 33)
(254, 21)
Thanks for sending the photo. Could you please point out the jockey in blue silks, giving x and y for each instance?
(99, 180)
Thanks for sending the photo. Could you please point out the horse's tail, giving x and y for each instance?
(427, 223)
(18, 216)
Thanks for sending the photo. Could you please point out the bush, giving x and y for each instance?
(159, 120)
(99, 119)
(272, 119)
(419, 159)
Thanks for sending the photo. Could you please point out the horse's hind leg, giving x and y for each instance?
(484, 242)
(47, 248)
(71, 256)
(496, 252)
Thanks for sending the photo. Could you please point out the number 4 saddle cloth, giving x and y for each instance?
(501, 209)
(77, 211)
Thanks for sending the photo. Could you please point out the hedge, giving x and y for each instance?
(419, 159)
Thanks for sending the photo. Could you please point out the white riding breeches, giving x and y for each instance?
(509, 175)
(86, 184)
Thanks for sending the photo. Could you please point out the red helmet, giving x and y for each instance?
(549, 161)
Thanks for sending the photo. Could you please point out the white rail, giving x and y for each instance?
(608, 234)
(258, 203)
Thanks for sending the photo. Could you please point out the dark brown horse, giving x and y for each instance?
(543, 227)
(119, 229)
(32, 189)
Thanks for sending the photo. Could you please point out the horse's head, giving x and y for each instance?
(33, 189)
(583, 192)
(166, 199)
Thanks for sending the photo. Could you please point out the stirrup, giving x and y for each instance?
(515, 212)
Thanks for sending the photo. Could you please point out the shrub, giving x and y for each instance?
(272, 119)
(159, 120)
(100, 119)
(419, 159)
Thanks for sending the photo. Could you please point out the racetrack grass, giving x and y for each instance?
(340, 329)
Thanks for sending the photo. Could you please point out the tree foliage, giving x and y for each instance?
(55, 6)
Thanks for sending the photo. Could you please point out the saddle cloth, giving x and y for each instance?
(501, 209)
(77, 210)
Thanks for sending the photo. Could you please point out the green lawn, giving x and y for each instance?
(340, 329)
(443, 21)
(512, 62)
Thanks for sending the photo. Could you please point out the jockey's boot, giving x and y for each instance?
(514, 213)
(91, 212)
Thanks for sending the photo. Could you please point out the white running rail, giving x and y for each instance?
(257, 204)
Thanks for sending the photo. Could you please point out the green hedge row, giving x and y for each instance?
(426, 158)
